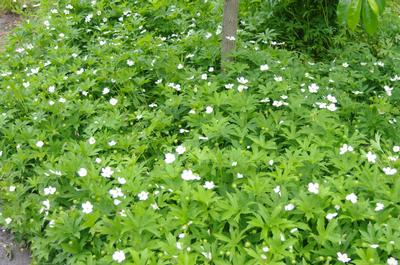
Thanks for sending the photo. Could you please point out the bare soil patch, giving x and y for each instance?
(7, 22)
(10, 252)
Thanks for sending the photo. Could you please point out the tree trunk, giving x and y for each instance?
(229, 30)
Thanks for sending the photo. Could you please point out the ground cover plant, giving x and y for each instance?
(122, 142)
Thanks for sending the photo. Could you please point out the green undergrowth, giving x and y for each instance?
(122, 142)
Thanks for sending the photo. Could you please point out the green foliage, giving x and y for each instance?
(16, 6)
(307, 26)
(352, 12)
(121, 141)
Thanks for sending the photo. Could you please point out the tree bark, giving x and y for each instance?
(229, 30)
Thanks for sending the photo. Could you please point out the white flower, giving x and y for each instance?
(388, 90)
(208, 255)
(204, 77)
(389, 171)
(242, 80)
(180, 66)
(229, 86)
(121, 181)
(122, 213)
(392, 261)
(169, 158)
(239, 176)
(106, 90)
(209, 185)
(51, 89)
(11, 188)
(92, 140)
(379, 207)
(345, 148)
(278, 103)
(87, 207)
(113, 101)
(313, 188)
(144, 195)
(98, 160)
(187, 174)
(313, 88)
(265, 249)
(177, 87)
(80, 71)
(107, 172)
(118, 256)
(331, 99)
(396, 148)
(277, 190)
(82, 172)
(278, 78)
(49, 190)
(178, 245)
(8, 220)
(264, 67)
(209, 109)
(374, 246)
(112, 143)
(130, 62)
(351, 197)
(331, 107)
(46, 206)
(180, 149)
(342, 257)
(39, 144)
(289, 207)
(241, 88)
(371, 157)
(231, 38)
(115, 193)
(345, 65)
(330, 216)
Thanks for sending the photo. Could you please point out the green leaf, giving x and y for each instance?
(342, 9)
(353, 14)
(381, 4)
(373, 5)
(369, 18)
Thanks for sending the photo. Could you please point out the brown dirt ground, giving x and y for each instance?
(10, 252)
(7, 22)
